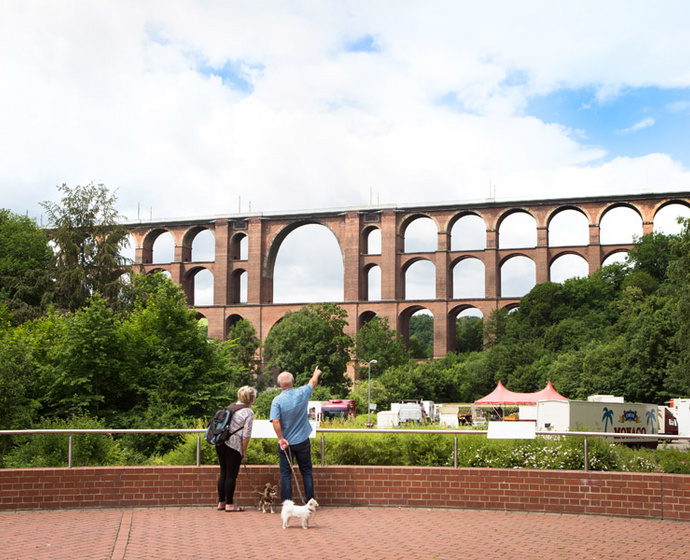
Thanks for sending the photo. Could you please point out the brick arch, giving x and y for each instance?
(366, 232)
(281, 235)
(663, 204)
(266, 232)
(145, 241)
(616, 249)
(619, 204)
(409, 220)
(188, 240)
(453, 314)
(365, 317)
(366, 270)
(403, 320)
(565, 207)
(511, 212)
(235, 285)
(231, 321)
(188, 281)
(580, 252)
(235, 247)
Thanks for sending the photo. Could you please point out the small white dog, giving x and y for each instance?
(305, 513)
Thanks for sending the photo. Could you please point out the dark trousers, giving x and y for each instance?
(300, 454)
(229, 460)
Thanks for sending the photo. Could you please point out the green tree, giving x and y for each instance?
(421, 340)
(25, 267)
(18, 378)
(88, 240)
(652, 254)
(377, 341)
(469, 334)
(313, 336)
(243, 344)
(91, 373)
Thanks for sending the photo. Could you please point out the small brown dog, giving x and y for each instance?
(268, 497)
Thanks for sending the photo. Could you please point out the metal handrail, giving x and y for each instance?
(444, 431)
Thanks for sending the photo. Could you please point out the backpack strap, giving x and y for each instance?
(234, 408)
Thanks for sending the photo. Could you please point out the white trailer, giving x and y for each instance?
(586, 416)
(681, 410)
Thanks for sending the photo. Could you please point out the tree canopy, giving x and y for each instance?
(88, 236)
(313, 336)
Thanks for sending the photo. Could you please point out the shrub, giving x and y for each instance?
(51, 450)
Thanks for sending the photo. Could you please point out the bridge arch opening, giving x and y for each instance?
(615, 257)
(308, 265)
(420, 235)
(163, 248)
(666, 218)
(568, 227)
(372, 241)
(237, 286)
(416, 326)
(469, 279)
(468, 233)
(198, 285)
(372, 285)
(231, 321)
(620, 225)
(466, 329)
(420, 280)
(203, 245)
(517, 229)
(568, 265)
(518, 276)
(239, 247)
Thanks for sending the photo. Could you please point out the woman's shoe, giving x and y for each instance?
(221, 506)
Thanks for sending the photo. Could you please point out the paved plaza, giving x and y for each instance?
(336, 533)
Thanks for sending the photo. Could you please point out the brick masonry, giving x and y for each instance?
(264, 235)
(642, 495)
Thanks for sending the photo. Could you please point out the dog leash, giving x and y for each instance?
(288, 456)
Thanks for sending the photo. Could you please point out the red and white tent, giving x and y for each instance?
(502, 396)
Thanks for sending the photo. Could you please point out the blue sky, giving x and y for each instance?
(631, 124)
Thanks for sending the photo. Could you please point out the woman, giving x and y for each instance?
(233, 450)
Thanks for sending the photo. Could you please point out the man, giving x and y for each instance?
(290, 419)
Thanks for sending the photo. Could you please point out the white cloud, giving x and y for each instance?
(647, 122)
(120, 91)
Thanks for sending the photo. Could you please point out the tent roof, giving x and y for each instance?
(501, 395)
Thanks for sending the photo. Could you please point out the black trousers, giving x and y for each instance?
(229, 460)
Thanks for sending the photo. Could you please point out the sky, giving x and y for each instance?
(200, 108)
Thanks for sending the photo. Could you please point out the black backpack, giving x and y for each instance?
(218, 430)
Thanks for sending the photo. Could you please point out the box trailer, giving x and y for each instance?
(681, 411)
(338, 409)
(602, 416)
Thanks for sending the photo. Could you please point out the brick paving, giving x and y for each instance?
(344, 533)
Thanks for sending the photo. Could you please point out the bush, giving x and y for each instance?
(51, 450)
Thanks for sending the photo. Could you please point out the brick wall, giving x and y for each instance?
(660, 496)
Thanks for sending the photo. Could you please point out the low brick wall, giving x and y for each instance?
(660, 496)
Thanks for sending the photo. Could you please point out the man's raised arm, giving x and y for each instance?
(315, 377)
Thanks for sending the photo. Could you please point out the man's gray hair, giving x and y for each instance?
(286, 380)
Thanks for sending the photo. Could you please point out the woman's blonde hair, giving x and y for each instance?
(246, 394)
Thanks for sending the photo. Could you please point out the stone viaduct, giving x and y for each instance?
(262, 235)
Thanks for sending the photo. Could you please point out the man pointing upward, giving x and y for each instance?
(289, 416)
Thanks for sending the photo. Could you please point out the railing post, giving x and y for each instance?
(69, 452)
(586, 456)
(323, 450)
(198, 451)
(455, 452)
